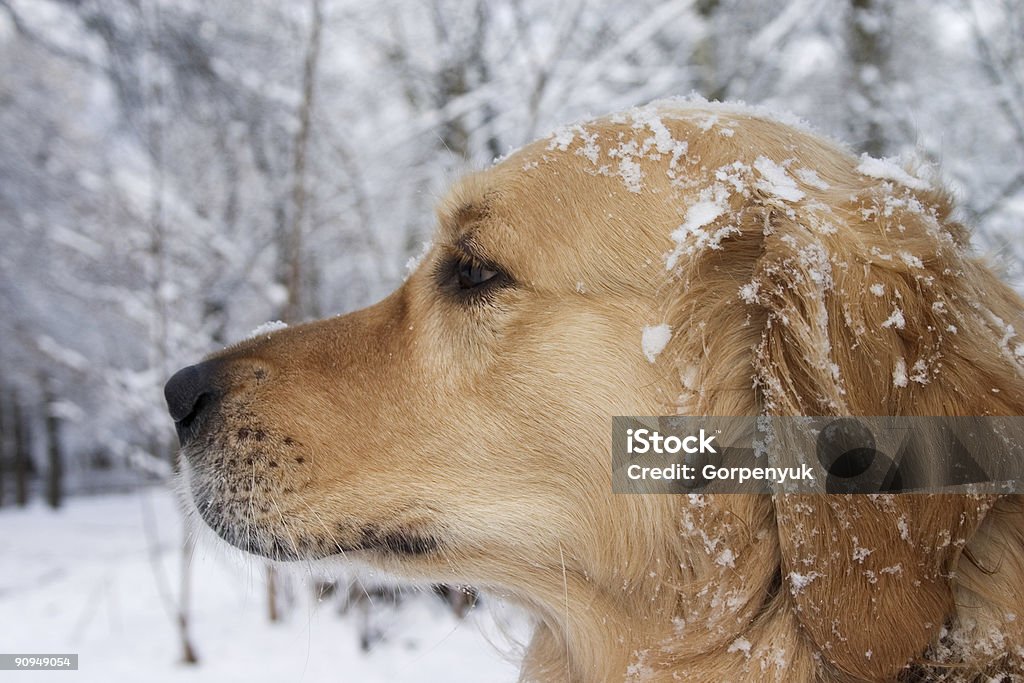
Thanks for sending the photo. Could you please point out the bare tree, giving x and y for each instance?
(869, 46)
(293, 256)
(1002, 68)
(184, 602)
(5, 443)
(54, 456)
(705, 60)
(22, 452)
(295, 266)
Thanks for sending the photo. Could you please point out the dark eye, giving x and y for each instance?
(471, 273)
(470, 279)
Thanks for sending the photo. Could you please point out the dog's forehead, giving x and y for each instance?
(547, 214)
(604, 201)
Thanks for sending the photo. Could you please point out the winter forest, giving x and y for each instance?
(174, 173)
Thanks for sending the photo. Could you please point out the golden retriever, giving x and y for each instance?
(459, 430)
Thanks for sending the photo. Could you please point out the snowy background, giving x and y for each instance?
(175, 172)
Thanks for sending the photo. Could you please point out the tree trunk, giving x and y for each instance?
(294, 308)
(294, 311)
(22, 455)
(188, 653)
(868, 46)
(5, 443)
(54, 456)
(705, 57)
(272, 613)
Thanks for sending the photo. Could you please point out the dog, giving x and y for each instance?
(459, 430)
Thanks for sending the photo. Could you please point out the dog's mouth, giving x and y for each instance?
(291, 547)
(256, 520)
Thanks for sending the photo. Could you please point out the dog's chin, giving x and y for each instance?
(235, 519)
(209, 519)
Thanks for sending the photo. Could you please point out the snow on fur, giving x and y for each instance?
(899, 373)
(895, 319)
(654, 339)
(889, 169)
(693, 237)
(776, 181)
(266, 329)
(810, 177)
(414, 261)
(798, 582)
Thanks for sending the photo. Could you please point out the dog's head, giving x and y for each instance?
(459, 430)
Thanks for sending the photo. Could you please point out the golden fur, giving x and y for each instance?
(467, 441)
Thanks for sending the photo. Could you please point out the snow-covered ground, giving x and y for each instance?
(89, 578)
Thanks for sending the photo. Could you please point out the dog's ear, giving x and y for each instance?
(871, 307)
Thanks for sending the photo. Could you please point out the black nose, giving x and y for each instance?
(189, 393)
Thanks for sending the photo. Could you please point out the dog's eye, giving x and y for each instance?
(471, 274)
(469, 279)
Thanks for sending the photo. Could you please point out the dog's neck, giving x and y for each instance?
(702, 604)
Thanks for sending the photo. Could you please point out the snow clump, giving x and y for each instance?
(896, 319)
(889, 169)
(776, 181)
(654, 339)
(899, 373)
(691, 237)
(799, 581)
